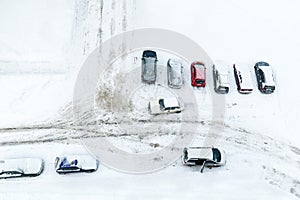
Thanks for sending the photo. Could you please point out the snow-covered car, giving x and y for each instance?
(243, 78)
(221, 79)
(265, 77)
(165, 105)
(174, 73)
(75, 163)
(20, 167)
(149, 65)
(198, 74)
(204, 156)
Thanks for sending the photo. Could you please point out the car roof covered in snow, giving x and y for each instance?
(78, 160)
(268, 72)
(171, 102)
(175, 63)
(200, 152)
(21, 164)
(222, 67)
(243, 72)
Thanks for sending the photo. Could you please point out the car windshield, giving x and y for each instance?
(149, 54)
(199, 81)
(269, 87)
(263, 64)
(216, 155)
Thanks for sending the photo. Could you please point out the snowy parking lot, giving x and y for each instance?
(40, 61)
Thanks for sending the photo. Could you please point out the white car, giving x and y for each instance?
(204, 156)
(221, 79)
(165, 105)
(75, 163)
(243, 78)
(21, 167)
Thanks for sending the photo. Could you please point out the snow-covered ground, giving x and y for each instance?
(43, 44)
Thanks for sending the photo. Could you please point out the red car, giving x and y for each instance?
(198, 74)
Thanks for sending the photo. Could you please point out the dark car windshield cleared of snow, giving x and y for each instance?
(216, 155)
(269, 88)
(149, 54)
(161, 104)
(263, 64)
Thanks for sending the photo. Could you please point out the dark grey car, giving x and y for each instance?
(265, 77)
(149, 62)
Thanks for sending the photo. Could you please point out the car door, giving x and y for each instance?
(192, 74)
(217, 80)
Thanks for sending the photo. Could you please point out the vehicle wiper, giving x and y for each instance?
(202, 167)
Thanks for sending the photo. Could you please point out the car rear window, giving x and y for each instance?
(200, 81)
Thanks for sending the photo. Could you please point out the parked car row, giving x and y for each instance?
(30, 167)
(263, 71)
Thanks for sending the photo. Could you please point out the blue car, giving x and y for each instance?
(75, 163)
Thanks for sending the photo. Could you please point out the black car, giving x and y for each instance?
(265, 77)
(149, 65)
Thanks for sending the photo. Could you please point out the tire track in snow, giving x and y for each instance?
(282, 180)
(233, 136)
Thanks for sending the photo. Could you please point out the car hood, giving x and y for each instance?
(223, 157)
(154, 106)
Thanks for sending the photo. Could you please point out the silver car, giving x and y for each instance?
(20, 167)
(149, 65)
(174, 73)
(204, 156)
(221, 79)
